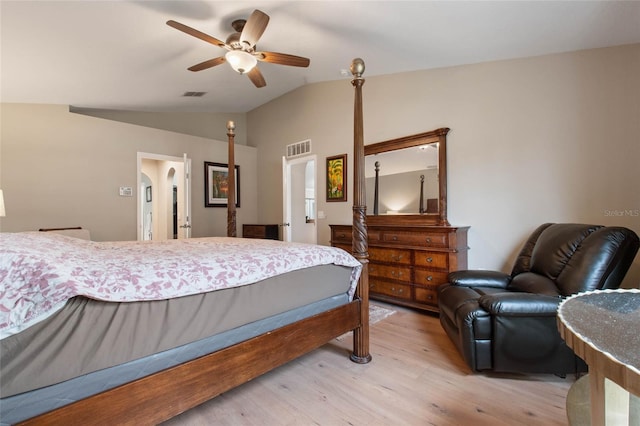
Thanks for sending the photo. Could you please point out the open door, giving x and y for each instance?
(299, 199)
(165, 190)
(186, 225)
(286, 201)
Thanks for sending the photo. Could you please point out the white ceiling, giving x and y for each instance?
(122, 55)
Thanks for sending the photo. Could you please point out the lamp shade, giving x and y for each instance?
(2, 212)
(240, 60)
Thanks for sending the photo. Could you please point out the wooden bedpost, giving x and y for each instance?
(360, 244)
(231, 180)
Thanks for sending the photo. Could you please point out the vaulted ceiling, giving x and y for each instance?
(122, 55)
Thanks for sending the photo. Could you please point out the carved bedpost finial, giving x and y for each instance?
(231, 181)
(357, 67)
(360, 244)
(421, 194)
(375, 189)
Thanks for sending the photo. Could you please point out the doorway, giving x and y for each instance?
(299, 199)
(164, 202)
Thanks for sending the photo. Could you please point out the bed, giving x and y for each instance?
(120, 366)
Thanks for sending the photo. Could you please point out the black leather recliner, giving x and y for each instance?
(507, 322)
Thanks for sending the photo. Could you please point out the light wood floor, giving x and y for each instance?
(416, 378)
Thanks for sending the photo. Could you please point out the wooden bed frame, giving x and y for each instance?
(160, 396)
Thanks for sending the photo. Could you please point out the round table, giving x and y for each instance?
(603, 328)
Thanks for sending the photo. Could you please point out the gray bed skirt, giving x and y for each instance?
(29, 404)
(101, 345)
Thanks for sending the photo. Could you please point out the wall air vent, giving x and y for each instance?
(299, 148)
(194, 94)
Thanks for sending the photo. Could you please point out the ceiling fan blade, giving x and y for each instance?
(282, 59)
(254, 27)
(256, 77)
(207, 64)
(197, 34)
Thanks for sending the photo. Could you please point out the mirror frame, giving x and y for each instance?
(435, 136)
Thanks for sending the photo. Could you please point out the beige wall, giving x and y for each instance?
(203, 124)
(546, 139)
(553, 138)
(63, 169)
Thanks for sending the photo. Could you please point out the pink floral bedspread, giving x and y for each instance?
(40, 271)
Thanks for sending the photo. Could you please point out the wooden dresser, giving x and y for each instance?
(407, 263)
(268, 232)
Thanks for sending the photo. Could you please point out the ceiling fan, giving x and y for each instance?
(241, 46)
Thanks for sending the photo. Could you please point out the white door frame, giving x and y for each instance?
(182, 215)
(186, 226)
(287, 196)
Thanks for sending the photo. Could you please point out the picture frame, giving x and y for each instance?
(336, 180)
(216, 184)
(148, 195)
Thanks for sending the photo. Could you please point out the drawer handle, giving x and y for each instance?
(394, 273)
(398, 291)
(429, 259)
(395, 238)
(396, 258)
(430, 278)
(428, 240)
(342, 235)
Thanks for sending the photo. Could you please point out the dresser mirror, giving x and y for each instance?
(411, 179)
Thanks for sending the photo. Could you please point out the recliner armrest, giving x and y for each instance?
(479, 278)
(520, 304)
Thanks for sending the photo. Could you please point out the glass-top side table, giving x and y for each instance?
(603, 328)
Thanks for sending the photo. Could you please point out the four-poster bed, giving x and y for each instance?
(156, 397)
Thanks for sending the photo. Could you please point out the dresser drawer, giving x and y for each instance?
(390, 255)
(432, 259)
(426, 277)
(391, 272)
(428, 295)
(400, 291)
(269, 232)
(342, 235)
(373, 236)
(424, 239)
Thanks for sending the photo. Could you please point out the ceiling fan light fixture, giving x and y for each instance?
(241, 46)
(241, 61)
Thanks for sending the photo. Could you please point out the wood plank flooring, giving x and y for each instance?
(416, 378)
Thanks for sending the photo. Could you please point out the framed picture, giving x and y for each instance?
(216, 184)
(148, 194)
(337, 178)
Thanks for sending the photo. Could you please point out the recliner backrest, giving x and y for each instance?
(523, 261)
(578, 257)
